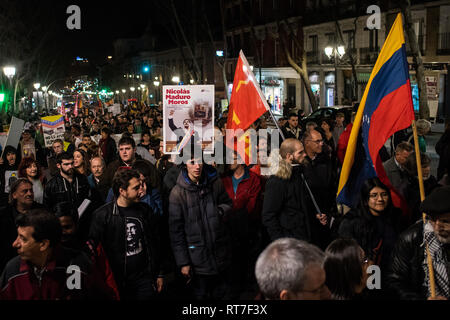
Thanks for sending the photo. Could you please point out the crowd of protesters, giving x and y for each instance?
(140, 227)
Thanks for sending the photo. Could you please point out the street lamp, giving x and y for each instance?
(36, 86)
(9, 71)
(335, 51)
(176, 79)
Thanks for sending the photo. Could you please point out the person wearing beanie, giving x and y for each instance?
(409, 274)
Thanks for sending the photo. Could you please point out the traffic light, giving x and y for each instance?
(145, 68)
(2, 97)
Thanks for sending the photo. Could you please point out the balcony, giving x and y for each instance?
(368, 55)
(313, 57)
(443, 43)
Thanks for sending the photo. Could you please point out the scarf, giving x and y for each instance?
(440, 262)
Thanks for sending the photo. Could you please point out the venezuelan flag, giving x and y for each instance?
(386, 107)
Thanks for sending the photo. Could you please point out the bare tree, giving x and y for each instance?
(299, 63)
(424, 111)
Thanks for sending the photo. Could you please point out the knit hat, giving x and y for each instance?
(438, 202)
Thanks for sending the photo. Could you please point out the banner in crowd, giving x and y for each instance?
(53, 128)
(114, 109)
(14, 133)
(188, 113)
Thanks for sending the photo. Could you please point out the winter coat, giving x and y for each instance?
(58, 189)
(406, 276)
(197, 230)
(108, 228)
(19, 282)
(109, 149)
(285, 211)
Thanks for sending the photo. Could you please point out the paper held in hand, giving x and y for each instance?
(82, 208)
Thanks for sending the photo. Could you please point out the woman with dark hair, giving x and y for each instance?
(81, 162)
(345, 266)
(107, 146)
(327, 126)
(374, 224)
(30, 169)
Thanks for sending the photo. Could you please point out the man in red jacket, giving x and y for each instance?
(44, 270)
(244, 189)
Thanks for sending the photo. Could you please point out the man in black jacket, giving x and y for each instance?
(320, 174)
(67, 185)
(198, 206)
(285, 208)
(129, 232)
(408, 277)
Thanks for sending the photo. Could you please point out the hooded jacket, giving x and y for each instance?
(284, 212)
(197, 230)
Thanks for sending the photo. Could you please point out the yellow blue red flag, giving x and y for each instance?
(386, 107)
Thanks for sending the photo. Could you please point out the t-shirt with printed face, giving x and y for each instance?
(136, 259)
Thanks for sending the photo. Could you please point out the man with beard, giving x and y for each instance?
(67, 185)
(285, 208)
(128, 230)
(408, 276)
(21, 201)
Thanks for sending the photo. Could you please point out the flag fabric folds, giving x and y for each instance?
(247, 104)
(386, 107)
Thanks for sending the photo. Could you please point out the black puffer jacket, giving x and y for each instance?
(406, 276)
(59, 190)
(198, 233)
(109, 228)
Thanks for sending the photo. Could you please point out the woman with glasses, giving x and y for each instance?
(346, 270)
(374, 223)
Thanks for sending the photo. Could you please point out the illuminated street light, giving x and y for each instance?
(9, 71)
(132, 89)
(37, 85)
(176, 79)
(156, 83)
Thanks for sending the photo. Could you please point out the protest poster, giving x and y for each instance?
(53, 128)
(14, 133)
(188, 113)
(114, 109)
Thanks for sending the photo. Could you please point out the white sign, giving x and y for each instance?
(15, 132)
(188, 113)
(115, 109)
(53, 129)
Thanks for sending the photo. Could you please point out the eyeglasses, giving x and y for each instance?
(365, 260)
(316, 141)
(375, 195)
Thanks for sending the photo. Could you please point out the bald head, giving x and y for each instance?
(292, 151)
(313, 143)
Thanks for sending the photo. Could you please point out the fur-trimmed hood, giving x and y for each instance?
(278, 166)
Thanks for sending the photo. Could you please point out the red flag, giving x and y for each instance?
(247, 104)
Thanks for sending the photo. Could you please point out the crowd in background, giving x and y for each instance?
(142, 227)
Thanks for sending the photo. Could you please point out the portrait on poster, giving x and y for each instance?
(188, 113)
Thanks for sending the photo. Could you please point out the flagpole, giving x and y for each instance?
(276, 123)
(422, 197)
